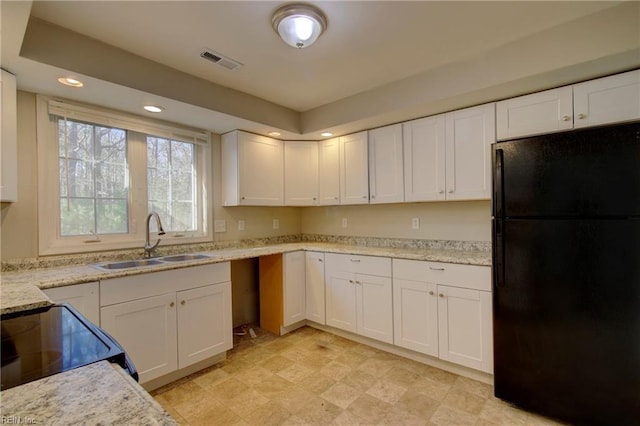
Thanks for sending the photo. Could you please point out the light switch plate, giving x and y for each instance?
(276, 223)
(415, 223)
(241, 225)
(344, 222)
(220, 225)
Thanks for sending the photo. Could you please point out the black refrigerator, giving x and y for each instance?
(566, 276)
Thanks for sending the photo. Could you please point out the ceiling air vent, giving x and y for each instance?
(219, 59)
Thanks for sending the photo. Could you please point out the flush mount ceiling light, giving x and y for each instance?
(274, 134)
(68, 81)
(153, 108)
(326, 134)
(299, 25)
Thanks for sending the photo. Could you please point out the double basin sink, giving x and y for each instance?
(137, 263)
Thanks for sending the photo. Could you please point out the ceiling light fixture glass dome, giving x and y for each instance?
(299, 25)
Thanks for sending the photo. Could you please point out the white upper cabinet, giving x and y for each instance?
(469, 135)
(543, 112)
(607, 100)
(252, 170)
(9, 135)
(329, 171)
(354, 169)
(300, 173)
(448, 156)
(386, 175)
(602, 101)
(424, 159)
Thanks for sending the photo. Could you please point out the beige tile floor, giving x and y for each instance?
(316, 378)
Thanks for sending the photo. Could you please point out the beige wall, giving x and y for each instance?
(459, 221)
(19, 227)
(469, 221)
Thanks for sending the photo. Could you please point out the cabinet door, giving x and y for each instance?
(147, 331)
(415, 316)
(261, 170)
(607, 100)
(9, 138)
(341, 300)
(375, 307)
(329, 172)
(386, 173)
(300, 173)
(469, 135)
(354, 169)
(293, 287)
(204, 323)
(465, 334)
(84, 297)
(542, 112)
(424, 159)
(314, 271)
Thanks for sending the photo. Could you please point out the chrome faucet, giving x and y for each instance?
(148, 248)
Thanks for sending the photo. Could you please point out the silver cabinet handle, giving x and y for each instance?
(566, 118)
(172, 304)
(582, 116)
(436, 269)
(441, 295)
(431, 293)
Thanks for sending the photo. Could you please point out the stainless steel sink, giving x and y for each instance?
(128, 264)
(184, 257)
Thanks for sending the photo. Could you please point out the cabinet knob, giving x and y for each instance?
(451, 191)
(172, 304)
(242, 198)
(431, 293)
(355, 260)
(335, 198)
(373, 196)
(566, 118)
(183, 303)
(364, 196)
(351, 281)
(441, 191)
(436, 269)
(320, 260)
(582, 116)
(358, 282)
(441, 295)
(314, 198)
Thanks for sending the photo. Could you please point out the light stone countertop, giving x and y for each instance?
(19, 290)
(97, 394)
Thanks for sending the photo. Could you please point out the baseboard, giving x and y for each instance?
(407, 353)
(183, 372)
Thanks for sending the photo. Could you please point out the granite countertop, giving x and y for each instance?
(100, 393)
(20, 290)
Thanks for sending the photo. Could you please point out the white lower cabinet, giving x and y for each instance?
(314, 274)
(357, 300)
(169, 320)
(147, 330)
(444, 310)
(293, 282)
(85, 298)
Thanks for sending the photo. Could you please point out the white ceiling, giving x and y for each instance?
(368, 45)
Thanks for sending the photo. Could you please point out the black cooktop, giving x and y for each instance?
(37, 344)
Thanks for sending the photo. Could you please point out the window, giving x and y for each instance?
(103, 172)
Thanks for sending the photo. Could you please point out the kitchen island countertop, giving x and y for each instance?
(100, 393)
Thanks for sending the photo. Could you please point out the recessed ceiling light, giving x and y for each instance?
(274, 134)
(68, 81)
(153, 108)
(326, 134)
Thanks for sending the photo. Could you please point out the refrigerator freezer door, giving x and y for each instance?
(567, 318)
(585, 173)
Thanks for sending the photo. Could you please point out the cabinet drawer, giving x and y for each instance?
(467, 276)
(370, 265)
(123, 289)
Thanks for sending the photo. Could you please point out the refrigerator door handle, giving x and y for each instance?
(498, 190)
(498, 254)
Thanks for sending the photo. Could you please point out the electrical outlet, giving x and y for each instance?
(241, 225)
(344, 222)
(220, 225)
(415, 223)
(276, 223)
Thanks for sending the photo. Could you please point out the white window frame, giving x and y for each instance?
(50, 242)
